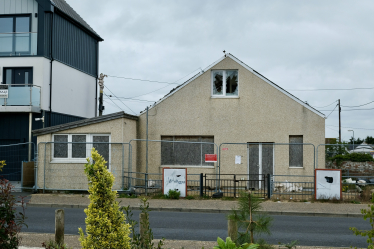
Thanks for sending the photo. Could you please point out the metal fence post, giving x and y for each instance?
(234, 186)
(269, 185)
(201, 184)
(123, 167)
(45, 153)
(205, 184)
(146, 183)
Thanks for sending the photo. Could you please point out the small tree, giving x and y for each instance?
(368, 213)
(248, 219)
(105, 223)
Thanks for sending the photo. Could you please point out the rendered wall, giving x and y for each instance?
(73, 92)
(65, 175)
(261, 113)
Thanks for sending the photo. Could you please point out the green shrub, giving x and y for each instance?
(137, 241)
(105, 223)
(173, 194)
(368, 214)
(190, 197)
(353, 157)
(53, 245)
(231, 245)
(11, 221)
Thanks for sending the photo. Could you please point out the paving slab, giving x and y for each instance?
(210, 206)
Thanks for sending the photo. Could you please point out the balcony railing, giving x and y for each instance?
(22, 95)
(18, 44)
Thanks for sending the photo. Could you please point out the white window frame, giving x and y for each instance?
(223, 84)
(89, 145)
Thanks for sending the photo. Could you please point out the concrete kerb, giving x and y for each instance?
(209, 210)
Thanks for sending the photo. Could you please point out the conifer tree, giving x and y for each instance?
(105, 223)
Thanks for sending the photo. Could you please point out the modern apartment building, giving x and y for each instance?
(48, 68)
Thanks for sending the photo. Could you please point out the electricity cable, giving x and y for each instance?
(326, 105)
(119, 100)
(358, 105)
(114, 102)
(331, 111)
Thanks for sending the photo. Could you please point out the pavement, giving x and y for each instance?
(209, 206)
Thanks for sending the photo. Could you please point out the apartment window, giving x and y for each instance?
(225, 83)
(18, 76)
(75, 148)
(187, 153)
(15, 36)
(296, 151)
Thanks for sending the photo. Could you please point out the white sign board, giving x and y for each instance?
(3, 91)
(238, 159)
(175, 179)
(328, 184)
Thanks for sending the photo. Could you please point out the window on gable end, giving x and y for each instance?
(225, 83)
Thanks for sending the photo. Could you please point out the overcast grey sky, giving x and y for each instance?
(299, 45)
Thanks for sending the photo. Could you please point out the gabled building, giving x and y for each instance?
(48, 67)
(256, 128)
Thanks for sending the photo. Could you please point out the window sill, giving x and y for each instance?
(186, 166)
(291, 167)
(65, 161)
(224, 97)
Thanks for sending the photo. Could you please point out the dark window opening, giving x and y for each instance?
(296, 151)
(186, 153)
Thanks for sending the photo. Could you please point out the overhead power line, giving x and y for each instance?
(119, 100)
(113, 102)
(358, 105)
(352, 128)
(362, 109)
(326, 105)
(153, 81)
(332, 89)
(132, 99)
(331, 111)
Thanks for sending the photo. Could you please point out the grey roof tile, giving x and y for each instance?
(68, 10)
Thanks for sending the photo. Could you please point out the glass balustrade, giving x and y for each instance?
(18, 44)
(22, 95)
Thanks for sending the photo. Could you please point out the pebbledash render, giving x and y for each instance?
(256, 111)
(228, 102)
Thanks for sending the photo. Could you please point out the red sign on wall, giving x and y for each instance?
(210, 158)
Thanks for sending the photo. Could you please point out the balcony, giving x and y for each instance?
(20, 98)
(18, 44)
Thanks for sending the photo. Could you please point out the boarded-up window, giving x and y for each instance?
(184, 152)
(296, 151)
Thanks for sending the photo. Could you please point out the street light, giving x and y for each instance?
(353, 138)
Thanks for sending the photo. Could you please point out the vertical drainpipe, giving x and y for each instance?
(51, 62)
(30, 128)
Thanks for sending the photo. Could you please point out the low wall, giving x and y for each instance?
(353, 167)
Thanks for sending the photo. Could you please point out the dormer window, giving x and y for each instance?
(225, 83)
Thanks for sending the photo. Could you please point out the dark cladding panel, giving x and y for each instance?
(73, 46)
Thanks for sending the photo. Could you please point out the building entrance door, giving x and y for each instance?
(260, 161)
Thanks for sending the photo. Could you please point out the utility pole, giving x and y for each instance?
(340, 123)
(101, 84)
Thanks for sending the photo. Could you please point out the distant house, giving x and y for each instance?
(255, 126)
(48, 67)
(363, 148)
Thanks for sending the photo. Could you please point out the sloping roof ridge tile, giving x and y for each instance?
(68, 10)
(83, 122)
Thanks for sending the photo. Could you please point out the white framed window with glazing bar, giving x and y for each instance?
(225, 84)
(75, 148)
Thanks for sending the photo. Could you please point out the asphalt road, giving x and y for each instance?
(309, 231)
